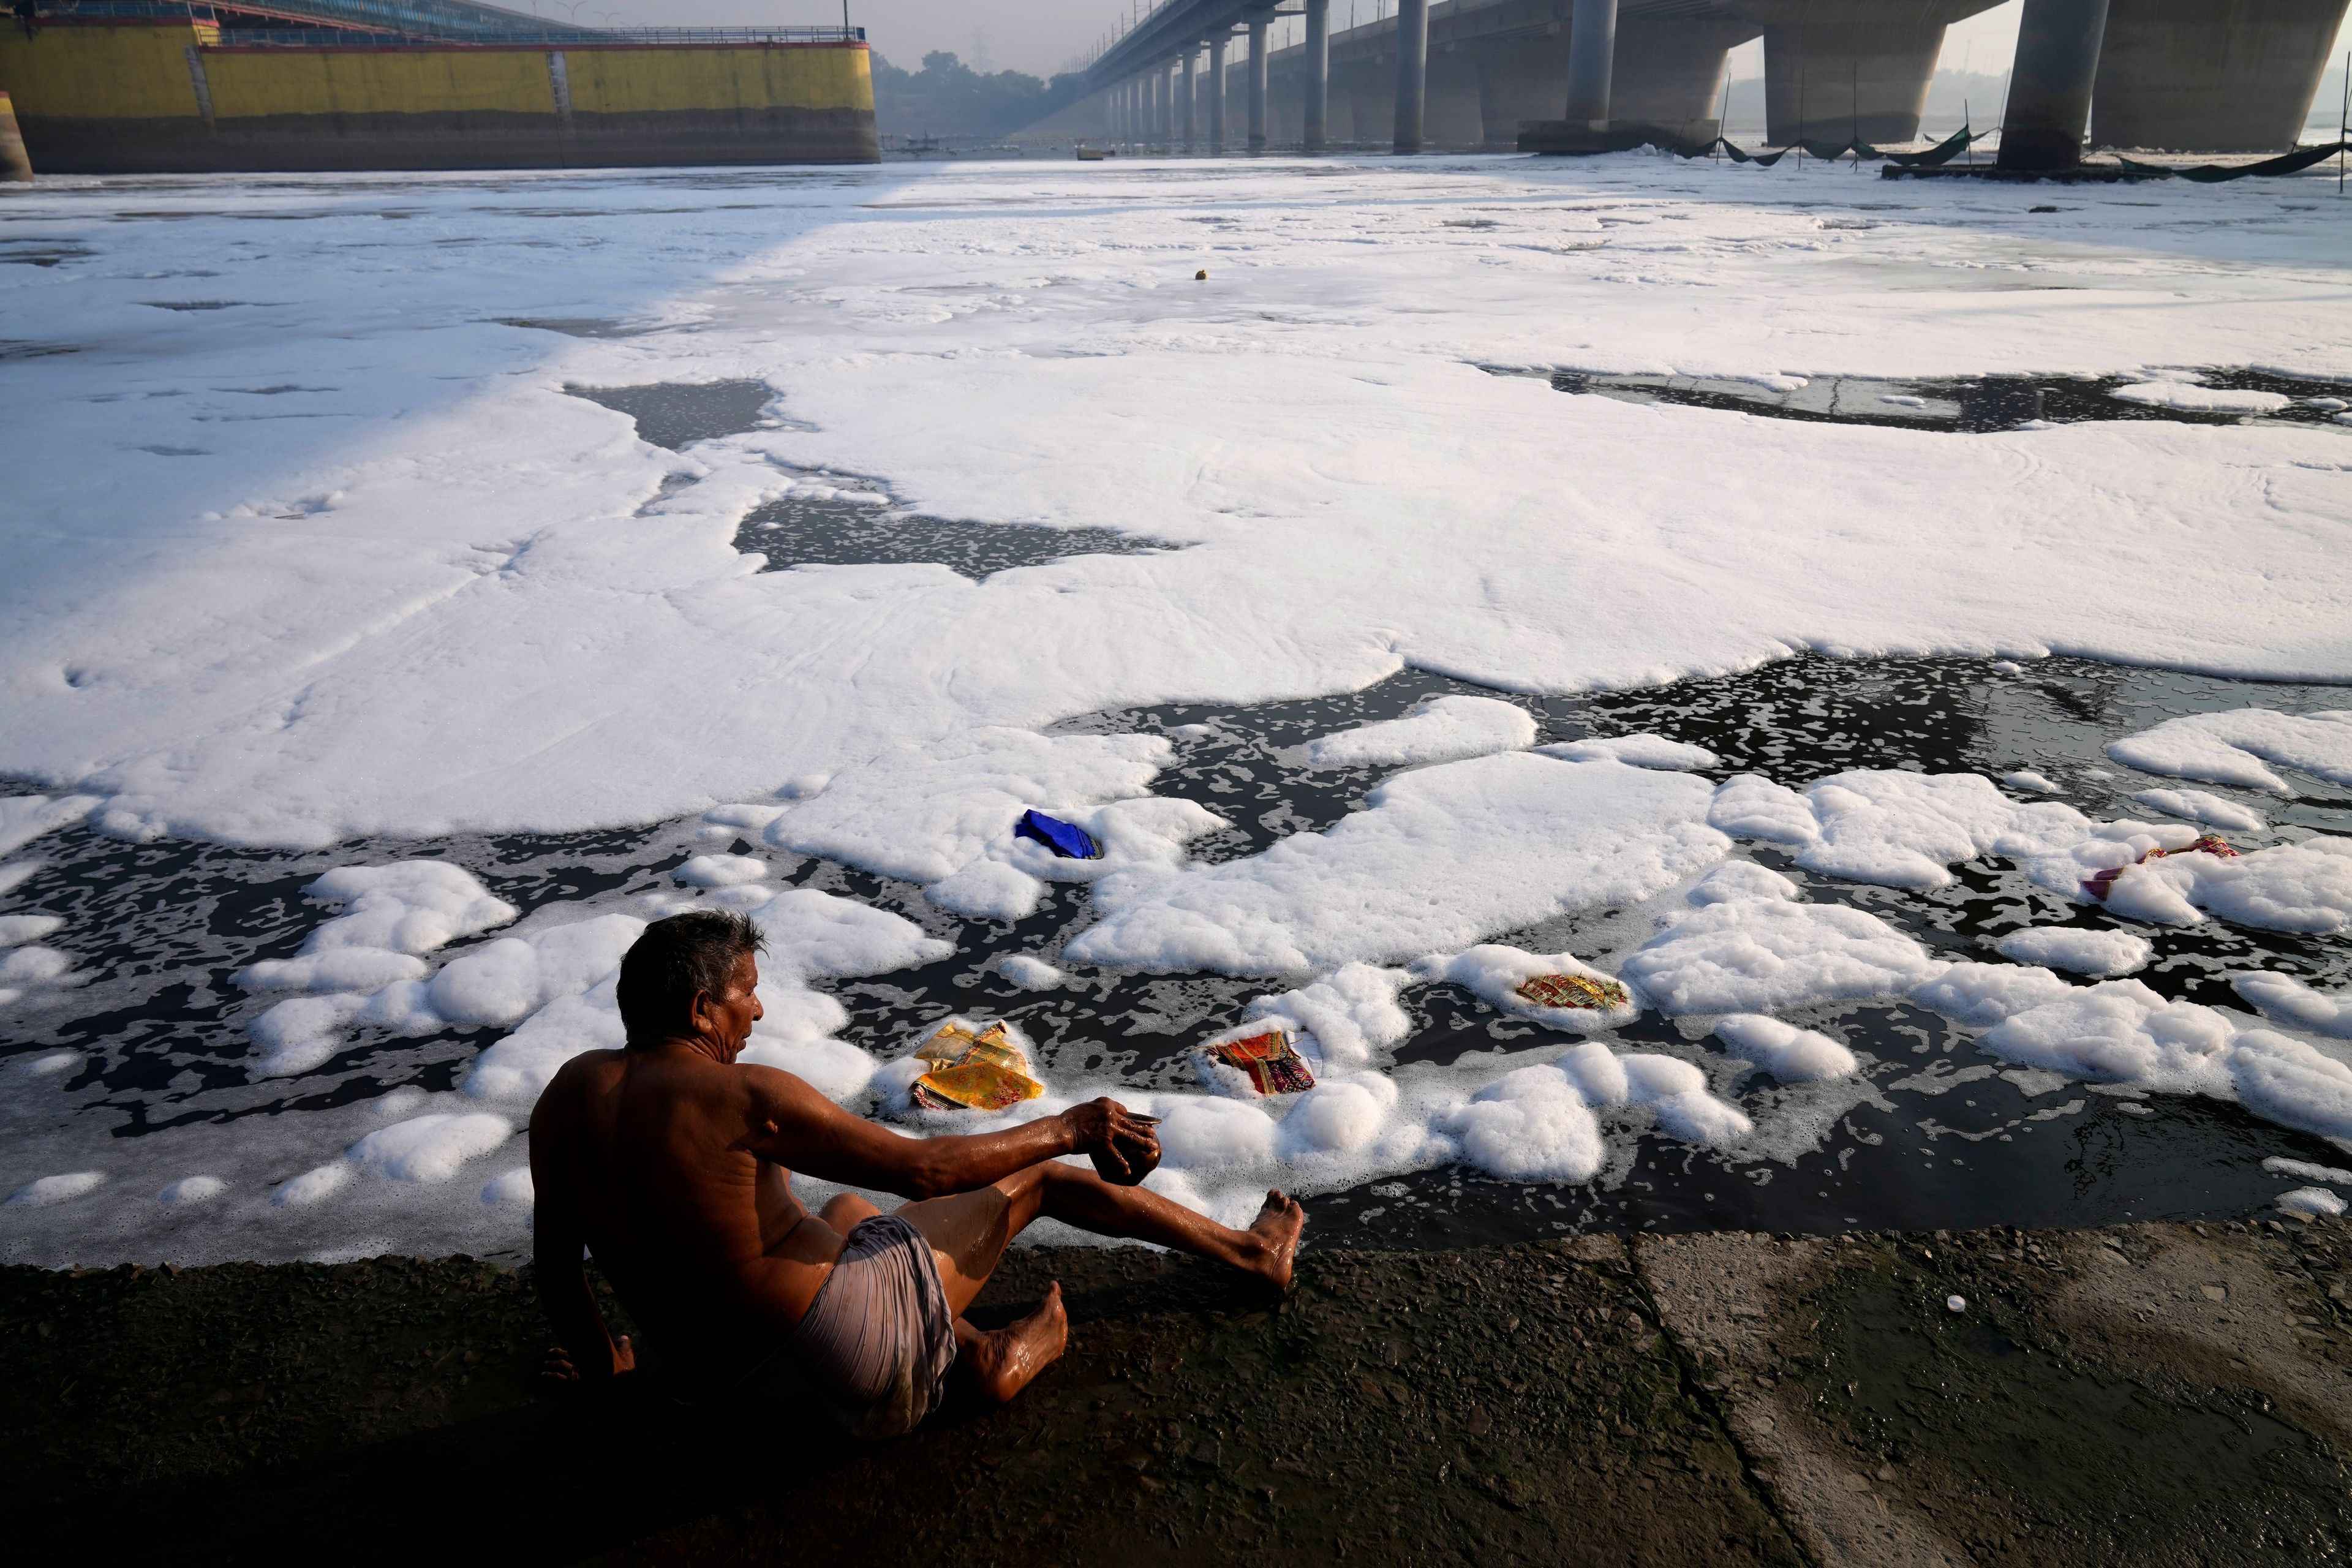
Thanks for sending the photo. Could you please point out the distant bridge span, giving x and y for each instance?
(1591, 75)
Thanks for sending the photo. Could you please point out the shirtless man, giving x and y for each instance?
(673, 1165)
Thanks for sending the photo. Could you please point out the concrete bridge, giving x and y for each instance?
(2223, 76)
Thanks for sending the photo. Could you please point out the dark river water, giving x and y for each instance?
(1939, 1140)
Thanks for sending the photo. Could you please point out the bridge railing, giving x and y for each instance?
(396, 24)
(586, 38)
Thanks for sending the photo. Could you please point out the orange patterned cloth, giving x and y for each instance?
(1272, 1065)
(1594, 990)
(983, 1071)
(2104, 883)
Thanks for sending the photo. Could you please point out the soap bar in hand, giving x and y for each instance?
(1142, 1159)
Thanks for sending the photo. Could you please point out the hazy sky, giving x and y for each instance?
(1039, 37)
(1042, 36)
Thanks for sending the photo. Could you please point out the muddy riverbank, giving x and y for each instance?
(2154, 1394)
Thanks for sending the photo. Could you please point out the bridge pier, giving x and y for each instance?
(1520, 84)
(1411, 73)
(1257, 72)
(1668, 85)
(1452, 116)
(1591, 64)
(1189, 90)
(1664, 83)
(2049, 88)
(2211, 76)
(1314, 111)
(1371, 100)
(1217, 94)
(1835, 69)
(1284, 111)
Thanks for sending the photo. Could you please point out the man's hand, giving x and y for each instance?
(795, 1127)
(557, 1372)
(1124, 1145)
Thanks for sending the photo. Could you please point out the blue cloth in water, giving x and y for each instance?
(1066, 839)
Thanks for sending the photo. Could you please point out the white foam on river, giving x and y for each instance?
(345, 559)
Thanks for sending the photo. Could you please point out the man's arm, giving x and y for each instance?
(796, 1127)
(556, 1247)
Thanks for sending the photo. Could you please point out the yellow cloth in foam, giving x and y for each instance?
(983, 1071)
(1594, 990)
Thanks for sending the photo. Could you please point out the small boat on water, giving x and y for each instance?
(1089, 154)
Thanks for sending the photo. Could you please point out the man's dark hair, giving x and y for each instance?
(675, 959)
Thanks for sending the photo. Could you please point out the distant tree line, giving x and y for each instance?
(948, 98)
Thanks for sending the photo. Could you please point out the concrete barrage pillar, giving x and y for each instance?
(2211, 76)
(2049, 91)
(1217, 94)
(1316, 132)
(1412, 72)
(16, 164)
(1257, 82)
(1591, 58)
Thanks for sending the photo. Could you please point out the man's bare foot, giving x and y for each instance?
(1000, 1364)
(1274, 1238)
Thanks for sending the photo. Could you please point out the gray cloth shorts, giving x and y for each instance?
(875, 1348)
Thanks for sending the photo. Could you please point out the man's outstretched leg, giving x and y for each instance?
(969, 1231)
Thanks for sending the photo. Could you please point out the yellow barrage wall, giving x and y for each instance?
(249, 83)
(100, 73)
(130, 96)
(637, 82)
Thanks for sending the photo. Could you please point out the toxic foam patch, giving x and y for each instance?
(1442, 857)
(1441, 729)
(2244, 748)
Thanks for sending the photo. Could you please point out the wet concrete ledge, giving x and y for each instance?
(451, 140)
(2153, 1394)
